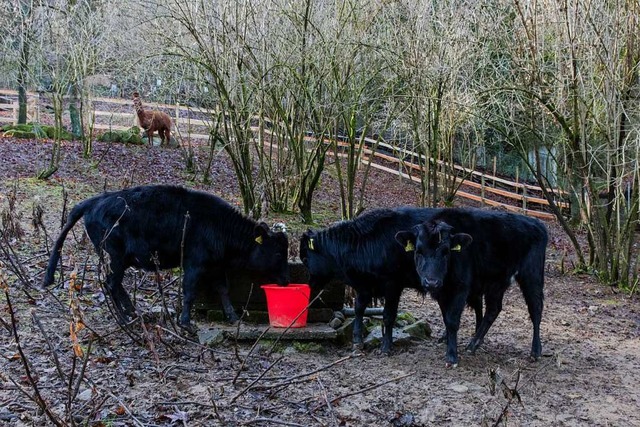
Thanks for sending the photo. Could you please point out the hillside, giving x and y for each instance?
(156, 376)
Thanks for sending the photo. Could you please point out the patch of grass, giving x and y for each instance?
(308, 347)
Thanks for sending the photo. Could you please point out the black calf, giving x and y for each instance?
(463, 255)
(364, 254)
(165, 227)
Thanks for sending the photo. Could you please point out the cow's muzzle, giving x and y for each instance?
(431, 284)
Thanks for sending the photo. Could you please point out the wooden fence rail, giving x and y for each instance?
(525, 198)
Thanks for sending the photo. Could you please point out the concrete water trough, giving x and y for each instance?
(245, 292)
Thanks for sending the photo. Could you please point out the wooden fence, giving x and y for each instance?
(192, 123)
(119, 116)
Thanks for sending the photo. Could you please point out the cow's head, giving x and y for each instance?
(270, 254)
(433, 244)
(314, 258)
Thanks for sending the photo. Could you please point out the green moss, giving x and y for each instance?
(308, 347)
(50, 131)
(127, 136)
(405, 318)
(15, 133)
(20, 127)
(35, 130)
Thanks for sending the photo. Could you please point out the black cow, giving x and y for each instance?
(463, 255)
(363, 252)
(164, 227)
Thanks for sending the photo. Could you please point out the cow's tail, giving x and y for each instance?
(76, 213)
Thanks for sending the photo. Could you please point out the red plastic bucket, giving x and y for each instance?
(286, 303)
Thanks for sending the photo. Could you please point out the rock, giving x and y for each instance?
(335, 323)
(419, 330)
(339, 315)
(375, 337)
(405, 318)
(459, 388)
(85, 395)
(289, 350)
(403, 420)
(210, 336)
(6, 415)
(345, 332)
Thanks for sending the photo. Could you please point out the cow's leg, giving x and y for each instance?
(534, 297)
(124, 307)
(362, 301)
(391, 301)
(227, 307)
(191, 277)
(493, 301)
(475, 302)
(451, 313)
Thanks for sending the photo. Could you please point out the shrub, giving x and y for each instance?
(35, 130)
(128, 136)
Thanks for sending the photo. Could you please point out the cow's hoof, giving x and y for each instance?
(450, 365)
(126, 318)
(357, 349)
(383, 352)
(233, 319)
(472, 347)
(189, 328)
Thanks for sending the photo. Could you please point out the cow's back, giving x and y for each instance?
(503, 243)
(367, 245)
(165, 221)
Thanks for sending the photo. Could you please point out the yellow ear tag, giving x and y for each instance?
(259, 240)
(457, 248)
(409, 247)
(311, 245)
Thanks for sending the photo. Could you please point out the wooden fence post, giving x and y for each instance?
(482, 188)
(524, 198)
(494, 171)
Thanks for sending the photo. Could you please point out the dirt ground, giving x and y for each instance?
(153, 375)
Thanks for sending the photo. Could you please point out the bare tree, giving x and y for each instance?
(437, 55)
(571, 89)
(20, 34)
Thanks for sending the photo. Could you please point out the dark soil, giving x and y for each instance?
(146, 375)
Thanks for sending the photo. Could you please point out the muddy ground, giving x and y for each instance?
(154, 375)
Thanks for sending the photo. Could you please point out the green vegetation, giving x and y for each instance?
(128, 136)
(35, 131)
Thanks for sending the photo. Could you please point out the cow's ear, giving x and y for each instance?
(308, 238)
(261, 231)
(460, 241)
(407, 240)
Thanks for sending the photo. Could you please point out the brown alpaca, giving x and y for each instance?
(152, 121)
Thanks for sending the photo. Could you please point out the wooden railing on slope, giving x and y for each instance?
(524, 194)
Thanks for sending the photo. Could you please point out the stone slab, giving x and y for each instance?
(311, 332)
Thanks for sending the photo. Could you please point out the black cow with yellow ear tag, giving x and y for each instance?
(161, 227)
(465, 255)
(364, 254)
